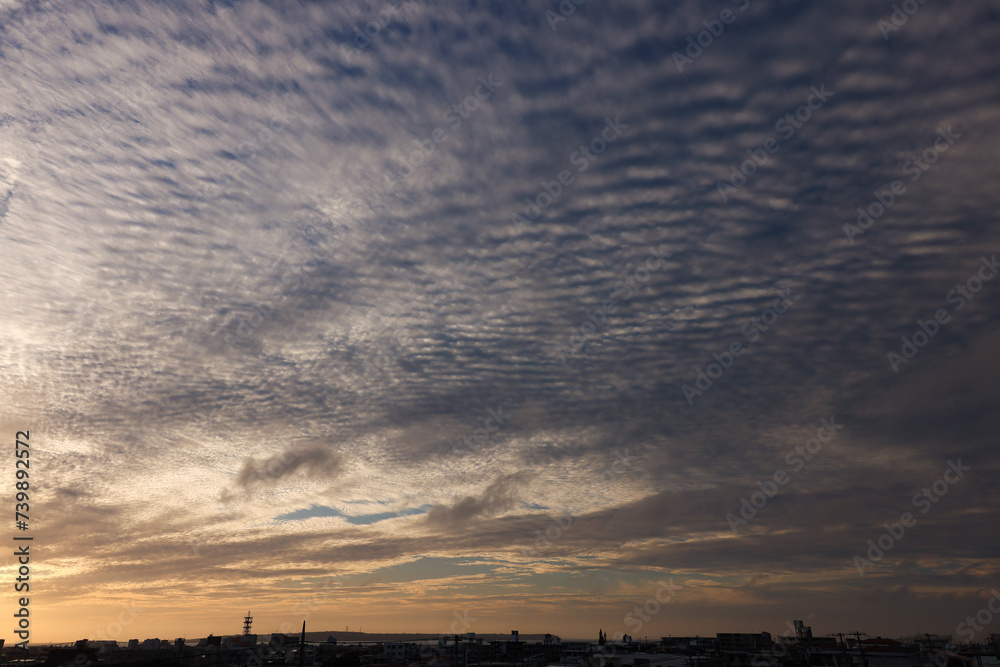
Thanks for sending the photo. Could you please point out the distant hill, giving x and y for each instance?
(352, 637)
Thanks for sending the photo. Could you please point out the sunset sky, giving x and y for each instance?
(387, 313)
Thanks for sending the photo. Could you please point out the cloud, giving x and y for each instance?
(208, 293)
(315, 460)
(497, 497)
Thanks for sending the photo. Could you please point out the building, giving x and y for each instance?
(240, 641)
(743, 642)
(802, 631)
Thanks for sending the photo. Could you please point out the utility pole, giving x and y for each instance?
(302, 646)
(861, 648)
(843, 648)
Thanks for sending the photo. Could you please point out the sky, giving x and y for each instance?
(656, 318)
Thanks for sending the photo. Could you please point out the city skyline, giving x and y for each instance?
(538, 313)
(794, 631)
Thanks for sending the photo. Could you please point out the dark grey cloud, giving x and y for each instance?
(313, 459)
(498, 496)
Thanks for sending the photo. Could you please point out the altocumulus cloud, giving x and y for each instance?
(121, 283)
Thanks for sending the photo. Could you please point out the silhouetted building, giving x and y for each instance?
(240, 641)
(743, 641)
(71, 656)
